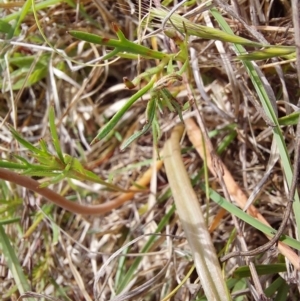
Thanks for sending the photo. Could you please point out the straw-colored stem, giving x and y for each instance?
(193, 222)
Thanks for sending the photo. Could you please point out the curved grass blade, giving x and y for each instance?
(150, 112)
(54, 134)
(276, 51)
(115, 119)
(249, 219)
(13, 263)
(270, 112)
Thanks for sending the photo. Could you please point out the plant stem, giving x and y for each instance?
(76, 208)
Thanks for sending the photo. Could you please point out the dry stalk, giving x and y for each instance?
(193, 222)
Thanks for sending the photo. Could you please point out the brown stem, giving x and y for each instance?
(76, 208)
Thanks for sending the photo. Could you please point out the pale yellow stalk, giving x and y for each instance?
(193, 222)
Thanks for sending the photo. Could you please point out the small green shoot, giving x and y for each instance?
(160, 97)
(57, 167)
(122, 45)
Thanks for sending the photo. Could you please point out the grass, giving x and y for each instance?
(98, 111)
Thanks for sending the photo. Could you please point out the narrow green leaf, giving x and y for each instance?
(115, 119)
(54, 180)
(25, 61)
(274, 286)
(270, 112)
(13, 263)
(291, 119)
(249, 219)
(26, 163)
(43, 146)
(47, 159)
(205, 32)
(283, 292)
(9, 221)
(150, 112)
(20, 18)
(20, 76)
(41, 173)
(238, 286)
(55, 135)
(120, 45)
(11, 165)
(172, 103)
(5, 27)
(119, 32)
(263, 269)
(269, 53)
(224, 143)
(23, 142)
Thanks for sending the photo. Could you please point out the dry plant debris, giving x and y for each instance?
(106, 250)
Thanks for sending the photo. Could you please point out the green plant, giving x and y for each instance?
(171, 68)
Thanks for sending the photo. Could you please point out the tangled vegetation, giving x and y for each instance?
(149, 151)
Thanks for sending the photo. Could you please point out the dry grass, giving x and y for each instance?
(61, 253)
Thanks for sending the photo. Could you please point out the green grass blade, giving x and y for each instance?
(283, 292)
(10, 221)
(249, 219)
(21, 78)
(5, 27)
(21, 16)
(276, 51)
(24, 142)
(150, 112)
(269, 110)
(291, 119)
(39, 6)
(55, 135)
(115, 119)
(261, 269)
(274, 286)
(13, 263)
(11, 165)
(204, 32)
